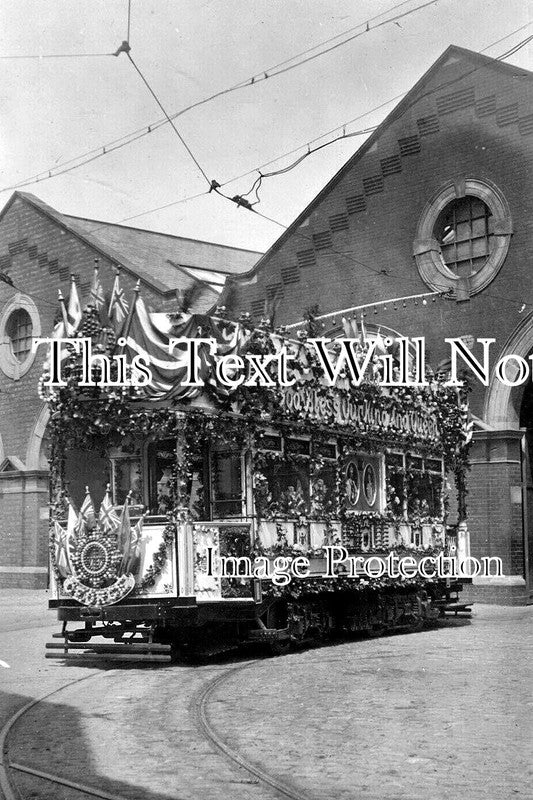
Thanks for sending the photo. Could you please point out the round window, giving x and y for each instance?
(19, 325)
(463, 237)
(465, 232)
(19, 331)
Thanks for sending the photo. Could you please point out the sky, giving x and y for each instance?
(55, 109)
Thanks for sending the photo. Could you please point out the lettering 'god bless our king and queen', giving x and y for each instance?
(407, 367)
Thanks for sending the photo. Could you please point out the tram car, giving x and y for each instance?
(236, 492)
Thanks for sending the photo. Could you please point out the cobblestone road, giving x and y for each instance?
(439, 714)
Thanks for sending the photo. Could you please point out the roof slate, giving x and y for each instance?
(149, 255)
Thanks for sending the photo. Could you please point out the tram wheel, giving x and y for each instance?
(277, 618)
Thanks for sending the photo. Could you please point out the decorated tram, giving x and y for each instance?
(234, 492)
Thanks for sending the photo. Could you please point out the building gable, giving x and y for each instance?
(469, 116)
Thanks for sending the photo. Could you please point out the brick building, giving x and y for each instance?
(439, 198)
(39, 250)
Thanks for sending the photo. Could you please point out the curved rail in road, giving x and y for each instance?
(200, 710)
(6, 786)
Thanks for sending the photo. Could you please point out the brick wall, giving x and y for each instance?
(39, 256)
(354, 246)
(365, 221)
(494, 502)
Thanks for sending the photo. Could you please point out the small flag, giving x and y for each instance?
(124, 535)
(60, 550)
(118, 306)
(363, 332)
(107, 518)
(380, 344)
(132, 564)
(58, 333)
(71, 538)
(74, 309)
(97, 292)
(86, 517)
(350, 327)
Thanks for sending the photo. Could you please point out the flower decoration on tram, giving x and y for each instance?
(95, 558)
(290, 489)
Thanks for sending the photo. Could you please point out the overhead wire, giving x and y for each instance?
(273, 73)
(507, 36)
(308, 144)
(123, 141)
(385, 273)
(129, 138)
(40, 56)
(462, 76)
(171, 122)
(129, 21)
(270, 72)
(337, 36)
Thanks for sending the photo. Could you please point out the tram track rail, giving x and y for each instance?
(232, 754)
(10, 790)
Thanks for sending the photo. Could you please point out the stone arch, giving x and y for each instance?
(499, 412)
(33, 453)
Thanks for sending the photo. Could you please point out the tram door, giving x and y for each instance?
(527, 482)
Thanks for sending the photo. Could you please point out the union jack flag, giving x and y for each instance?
(86, 517)
(107, 518)
(97, 292)
(118, 306)
(74, 309)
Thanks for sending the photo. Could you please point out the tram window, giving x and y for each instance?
(395, 483)
(288, 485)
(127, 477)
(424, 493)
(196, 489)
(326, 450)
(434, 465)
(324, 490)
(269, 441)
(395, 460)
(298, 447)
(85, 468)
(161, 463)
(226, 484)
(415, 462)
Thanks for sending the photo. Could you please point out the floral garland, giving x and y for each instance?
(160, 557)
(297, 589)
(95, 418)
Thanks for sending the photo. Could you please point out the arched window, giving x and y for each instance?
(19, 330)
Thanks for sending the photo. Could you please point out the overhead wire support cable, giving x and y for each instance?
(123, 141)
(310, 151)
(176, 131)
(387, 273)
(117, 144)
(364, 25)
(129, 21)
(273, 72)
(40, 56)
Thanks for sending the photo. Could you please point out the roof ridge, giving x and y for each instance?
(105, 223)
(409, 97)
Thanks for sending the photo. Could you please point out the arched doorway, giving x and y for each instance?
(526, 423)
(508, 413)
